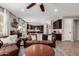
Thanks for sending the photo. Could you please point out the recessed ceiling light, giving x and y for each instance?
(55, 10)
(22, 10)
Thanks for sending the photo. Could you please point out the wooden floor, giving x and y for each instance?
(68, 48)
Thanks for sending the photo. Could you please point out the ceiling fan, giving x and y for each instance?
(41, 6)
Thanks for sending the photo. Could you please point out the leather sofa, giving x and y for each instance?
(48, 42)
(36, 39)
(9, 50)
(51, 42)
(8, 46)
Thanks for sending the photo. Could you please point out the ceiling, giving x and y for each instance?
(53, 11)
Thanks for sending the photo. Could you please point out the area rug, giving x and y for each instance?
(58, 52)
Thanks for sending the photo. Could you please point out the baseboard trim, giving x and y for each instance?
(67, 40)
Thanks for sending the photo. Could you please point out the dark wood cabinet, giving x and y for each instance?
(59, 37)
(57, 24)
(34, 28)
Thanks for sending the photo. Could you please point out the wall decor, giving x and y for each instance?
(14, 23)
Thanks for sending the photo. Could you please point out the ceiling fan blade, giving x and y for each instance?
(42, 8)
(31, 5)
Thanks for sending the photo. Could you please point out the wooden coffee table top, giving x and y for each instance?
(39, 50)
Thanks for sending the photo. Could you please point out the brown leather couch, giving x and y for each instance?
(44, 40)
(48, 42)
(9, 50)
(28, 42)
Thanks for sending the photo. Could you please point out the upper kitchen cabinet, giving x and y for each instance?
(57, 24)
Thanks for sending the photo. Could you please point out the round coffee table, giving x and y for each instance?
(39, 50)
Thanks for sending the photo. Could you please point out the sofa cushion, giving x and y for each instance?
(34, 37)
(13, 38)
(9, 40)
(29, 37)
(49, 37)
(32, 41)
(46, 42)
(5, 40)
(39, 37)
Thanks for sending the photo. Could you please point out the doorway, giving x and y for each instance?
(76, 30)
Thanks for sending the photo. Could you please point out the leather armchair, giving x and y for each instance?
(1, 43)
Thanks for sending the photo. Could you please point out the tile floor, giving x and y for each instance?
(65, 48)
(68, 48)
